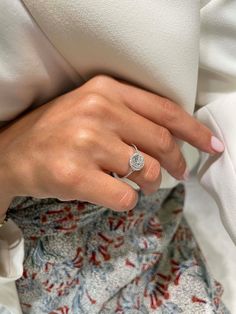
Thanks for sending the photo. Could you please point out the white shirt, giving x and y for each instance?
(64, 44)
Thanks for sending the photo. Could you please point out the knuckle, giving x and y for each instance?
(63, 174)
(93, 104)
(128, 200)
(73, 184)
(181, 166)
(102, 82)
(197, 131)
(169, 109)
(85, 138)
(153, 171)
(155, 186)
(152, 190)
(167, 143)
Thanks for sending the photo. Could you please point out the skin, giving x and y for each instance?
(67, 148)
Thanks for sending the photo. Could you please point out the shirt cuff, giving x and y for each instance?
(11, 266)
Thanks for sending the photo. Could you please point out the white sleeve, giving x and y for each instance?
(217, 68)
(31, 73)
(217, 93)
(11, 267)
(217, 174)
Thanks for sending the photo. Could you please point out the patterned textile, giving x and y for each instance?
(82, 258)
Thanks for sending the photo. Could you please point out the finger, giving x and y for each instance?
(154, 140)
(171, 116)
(116, 159)
(148, 178)
(102, 189)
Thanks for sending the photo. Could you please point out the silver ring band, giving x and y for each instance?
(136, 163)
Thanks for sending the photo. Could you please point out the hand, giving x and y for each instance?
(67, 148)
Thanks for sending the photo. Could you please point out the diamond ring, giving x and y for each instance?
(136, 162)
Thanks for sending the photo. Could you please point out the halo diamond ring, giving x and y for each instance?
(136, 162)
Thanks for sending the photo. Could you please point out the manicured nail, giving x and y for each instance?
(217, 145)
(186, 175)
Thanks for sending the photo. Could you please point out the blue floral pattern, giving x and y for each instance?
(83, 258)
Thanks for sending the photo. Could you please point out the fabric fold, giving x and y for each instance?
(11, 266)
(217, 174)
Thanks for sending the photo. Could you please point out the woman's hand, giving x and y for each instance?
(67, 148)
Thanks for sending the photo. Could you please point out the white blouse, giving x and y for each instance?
(50, 47)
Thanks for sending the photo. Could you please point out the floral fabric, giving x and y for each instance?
(83, 258)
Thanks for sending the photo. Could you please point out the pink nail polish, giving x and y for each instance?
(217, 145)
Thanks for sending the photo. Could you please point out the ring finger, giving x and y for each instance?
(116, 159)
(155, 141)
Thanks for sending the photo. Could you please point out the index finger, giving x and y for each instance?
(168, 114)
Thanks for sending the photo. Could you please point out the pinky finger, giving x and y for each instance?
(107, 191)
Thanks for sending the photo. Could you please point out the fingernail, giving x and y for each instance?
(217, 145)
(186, 175)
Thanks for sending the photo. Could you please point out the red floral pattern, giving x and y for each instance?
(82, 258)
